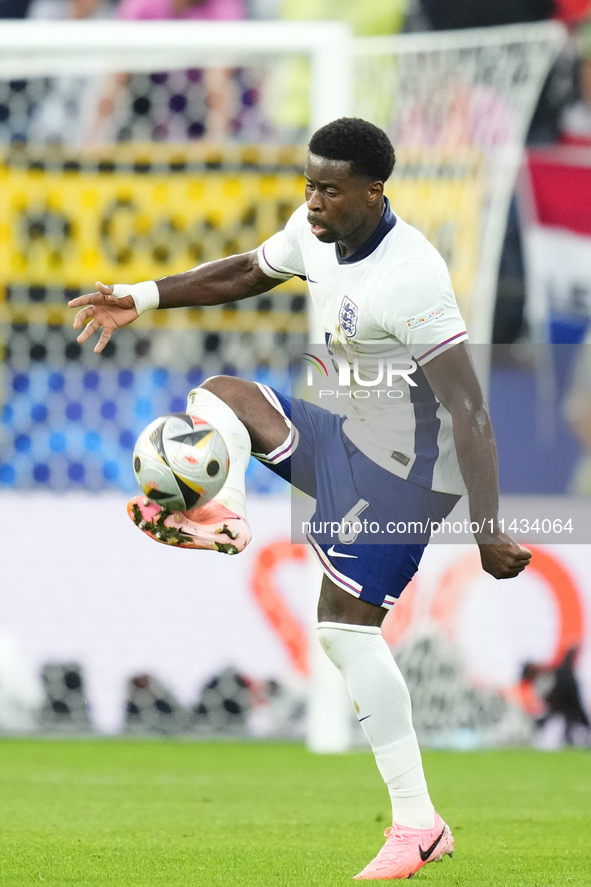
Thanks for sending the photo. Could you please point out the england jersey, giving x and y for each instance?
(391, 299)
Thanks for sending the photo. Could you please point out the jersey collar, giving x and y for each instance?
(387, 222)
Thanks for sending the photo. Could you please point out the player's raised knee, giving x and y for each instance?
(228, 389)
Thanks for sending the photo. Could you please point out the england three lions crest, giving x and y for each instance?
(348, 317)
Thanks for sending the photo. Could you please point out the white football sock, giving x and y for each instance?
(237, 439)
(382, 703)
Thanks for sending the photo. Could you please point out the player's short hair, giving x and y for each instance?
(367, 147)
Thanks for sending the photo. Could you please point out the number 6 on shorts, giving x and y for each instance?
(350, 525)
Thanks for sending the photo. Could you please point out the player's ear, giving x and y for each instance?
(375, 192)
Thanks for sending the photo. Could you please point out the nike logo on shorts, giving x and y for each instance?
(425, 854)
(338, 553)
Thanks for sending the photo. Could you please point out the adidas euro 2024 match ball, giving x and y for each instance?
(180, 462)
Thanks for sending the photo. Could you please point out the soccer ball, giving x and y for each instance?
(180, 461)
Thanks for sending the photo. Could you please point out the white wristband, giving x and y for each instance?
(145, 294)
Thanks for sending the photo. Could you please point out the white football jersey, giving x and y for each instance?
(392, 298)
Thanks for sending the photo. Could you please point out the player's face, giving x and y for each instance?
(340, 205)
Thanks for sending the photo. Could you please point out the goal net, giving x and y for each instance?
(131, 151)
(457, 106)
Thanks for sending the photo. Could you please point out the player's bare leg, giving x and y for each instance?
(349, 632)
(247, 421)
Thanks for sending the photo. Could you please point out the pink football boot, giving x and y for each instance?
(407, 850)
(212, 527)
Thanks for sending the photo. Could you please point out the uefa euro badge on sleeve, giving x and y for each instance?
(348, 317)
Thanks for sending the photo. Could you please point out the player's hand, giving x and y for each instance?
(502, 557)
(102, 310)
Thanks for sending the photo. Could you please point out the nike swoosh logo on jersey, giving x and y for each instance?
(312, 281)
(425, 854)
(338, 553)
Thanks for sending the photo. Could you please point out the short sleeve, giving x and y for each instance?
(419, 308)
(281, 256)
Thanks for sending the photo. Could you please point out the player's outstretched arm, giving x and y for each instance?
(453, 379)
(214, 283)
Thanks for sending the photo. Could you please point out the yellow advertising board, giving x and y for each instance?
(149, 211)
(67, 224)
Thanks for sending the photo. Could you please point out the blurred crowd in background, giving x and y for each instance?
(224, 106)
(218, 104)
(563, 113)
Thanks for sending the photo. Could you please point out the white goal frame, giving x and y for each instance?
(32, 48)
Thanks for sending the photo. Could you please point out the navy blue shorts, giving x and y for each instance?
(370, 527)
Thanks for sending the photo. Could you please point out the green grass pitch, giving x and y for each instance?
(271, 815)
